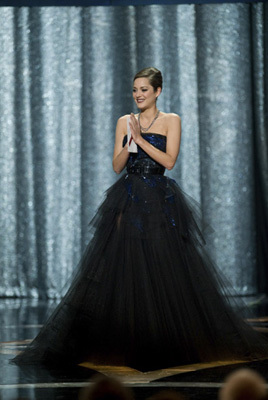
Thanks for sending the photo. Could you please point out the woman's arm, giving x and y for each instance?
(168, 158)
(121, 154)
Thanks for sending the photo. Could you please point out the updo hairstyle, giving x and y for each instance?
(154, 76)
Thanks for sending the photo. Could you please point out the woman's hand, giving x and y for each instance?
(135, 129)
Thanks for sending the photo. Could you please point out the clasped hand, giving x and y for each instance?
(135, 129)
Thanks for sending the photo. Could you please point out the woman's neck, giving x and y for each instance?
(148, 114)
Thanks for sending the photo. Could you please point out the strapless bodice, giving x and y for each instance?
(141, 162)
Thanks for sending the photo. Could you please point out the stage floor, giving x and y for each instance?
(21, 319)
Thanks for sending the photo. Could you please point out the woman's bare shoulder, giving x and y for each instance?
(123, 118)
(172, 122)
(171, 116)
(122, 124)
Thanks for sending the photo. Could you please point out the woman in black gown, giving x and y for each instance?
(145, 294)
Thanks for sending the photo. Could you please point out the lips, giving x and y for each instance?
(140, 100)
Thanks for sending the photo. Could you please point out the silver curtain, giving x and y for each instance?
(66, 76)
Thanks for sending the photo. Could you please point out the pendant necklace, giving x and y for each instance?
(146, 129)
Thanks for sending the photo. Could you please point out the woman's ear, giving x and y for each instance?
(158, 91)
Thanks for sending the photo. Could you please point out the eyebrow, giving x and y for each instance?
(142, 87)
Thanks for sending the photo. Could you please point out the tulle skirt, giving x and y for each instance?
(146, 293)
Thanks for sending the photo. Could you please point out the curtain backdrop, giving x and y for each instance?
(66, 77)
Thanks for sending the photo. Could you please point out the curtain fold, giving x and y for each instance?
(225, 115)
(259, 45)
(66, 77)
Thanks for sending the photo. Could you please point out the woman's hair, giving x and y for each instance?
(154, 76)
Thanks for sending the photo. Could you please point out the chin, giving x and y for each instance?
(141, 106)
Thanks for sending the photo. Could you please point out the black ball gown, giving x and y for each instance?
(145, 294)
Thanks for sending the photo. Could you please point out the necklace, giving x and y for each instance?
(146, 129)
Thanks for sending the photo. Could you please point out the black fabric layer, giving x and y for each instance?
(146, 293)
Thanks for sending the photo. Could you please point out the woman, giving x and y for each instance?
(146, 293)
(145, 95)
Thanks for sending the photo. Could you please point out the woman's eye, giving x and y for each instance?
(144, 90)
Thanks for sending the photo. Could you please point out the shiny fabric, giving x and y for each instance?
(65, 79)
(140, 163)
(146, 294)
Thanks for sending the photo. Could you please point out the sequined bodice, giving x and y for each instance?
(143, 159)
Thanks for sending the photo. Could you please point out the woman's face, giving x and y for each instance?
(144, 94)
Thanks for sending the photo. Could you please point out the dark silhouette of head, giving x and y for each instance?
(243, 384)
(105, 388)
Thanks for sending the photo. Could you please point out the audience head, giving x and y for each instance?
(105, 388)
(243, 384)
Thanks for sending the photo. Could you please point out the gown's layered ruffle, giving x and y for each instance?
(146, 294)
